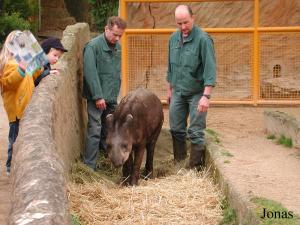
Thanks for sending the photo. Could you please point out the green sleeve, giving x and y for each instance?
(90, 72)
(169, 67)
(208, 61)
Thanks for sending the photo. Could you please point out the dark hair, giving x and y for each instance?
(115, 20)
(52, 42)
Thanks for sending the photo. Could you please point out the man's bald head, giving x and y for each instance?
(183, 9)
(184, 19)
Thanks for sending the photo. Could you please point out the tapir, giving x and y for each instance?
(133, 128)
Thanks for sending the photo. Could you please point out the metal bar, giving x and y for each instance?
(123, 10)
(216, 30)
(279, 102)
(230, 30)
(171, 30)
(250, 102)
(224, 102)
(150, 31)
(231, 102)
(124, 60)
(179, 1)
(256, 53)
(279, 29)
(124, 75)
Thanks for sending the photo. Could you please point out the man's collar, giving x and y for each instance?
(105, 45)
(188, 38)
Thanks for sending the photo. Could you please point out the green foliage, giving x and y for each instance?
(229, 215)
(17, 15)
(287, 142)
(20, 6)
(101, 10)
(11, 22)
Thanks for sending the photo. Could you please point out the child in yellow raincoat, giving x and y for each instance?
(16, 90)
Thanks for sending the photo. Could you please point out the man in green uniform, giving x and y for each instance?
(191, 76)
(101, 85)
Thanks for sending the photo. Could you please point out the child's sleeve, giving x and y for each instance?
(11, 77)
(37, 74)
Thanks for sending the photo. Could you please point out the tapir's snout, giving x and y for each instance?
(118, 158)
(116, 163)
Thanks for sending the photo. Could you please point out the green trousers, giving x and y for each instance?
(182, 108)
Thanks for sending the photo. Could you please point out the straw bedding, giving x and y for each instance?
(187, 197)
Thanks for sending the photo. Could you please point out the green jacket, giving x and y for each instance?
(192, 64)
(101, 70)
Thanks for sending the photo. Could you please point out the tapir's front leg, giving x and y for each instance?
(138, 158)
(127, 169)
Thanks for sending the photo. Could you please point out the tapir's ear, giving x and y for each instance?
(129, 121)
(109, 120)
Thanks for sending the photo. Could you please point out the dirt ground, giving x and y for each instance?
(259, 166)
(5, 183)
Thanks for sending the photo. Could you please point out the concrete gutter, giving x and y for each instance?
(215, 161)
(280, 123)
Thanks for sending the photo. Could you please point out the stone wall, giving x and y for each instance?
(50, 138)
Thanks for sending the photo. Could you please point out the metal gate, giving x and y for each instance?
(258, 62)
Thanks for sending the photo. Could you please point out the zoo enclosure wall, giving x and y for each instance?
(256, 43)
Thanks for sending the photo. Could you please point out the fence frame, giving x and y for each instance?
(255, 30)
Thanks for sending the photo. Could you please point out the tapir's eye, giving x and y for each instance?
(108, 146)
(124, 146)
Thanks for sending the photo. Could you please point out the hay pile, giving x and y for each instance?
(185, 198)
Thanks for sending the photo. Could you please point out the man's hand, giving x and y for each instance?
(100, 104)
(203, 104)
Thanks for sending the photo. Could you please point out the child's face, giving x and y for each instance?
(54, 55)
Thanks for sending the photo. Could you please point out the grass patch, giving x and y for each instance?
(287, 142)
(214, 134)
(275, 209)
(271, 137)
(226, 153)
(75, 220)
(226, 161)
(229, 214)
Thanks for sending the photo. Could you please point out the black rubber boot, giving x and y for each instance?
(179, 150)
(197, 156)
